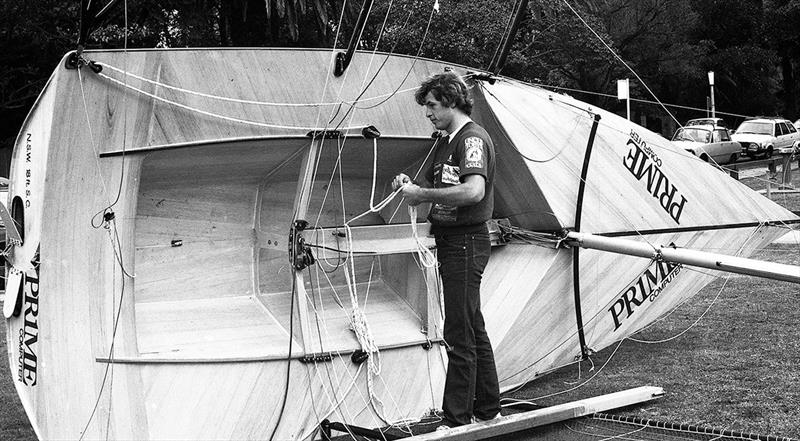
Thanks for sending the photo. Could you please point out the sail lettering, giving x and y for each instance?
(647, 287)
(29, 334)
(644, 166)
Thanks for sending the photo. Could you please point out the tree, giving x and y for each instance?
(556, 47)
(782, 19)
(33, 37)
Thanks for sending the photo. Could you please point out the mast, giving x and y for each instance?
(719, 262)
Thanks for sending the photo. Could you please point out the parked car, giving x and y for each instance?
(708, 142)
(765, 136)
(717, 122)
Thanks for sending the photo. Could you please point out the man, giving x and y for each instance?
(462, 197)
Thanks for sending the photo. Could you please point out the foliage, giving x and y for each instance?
(461, 31)
(753, 46)
(33, 36)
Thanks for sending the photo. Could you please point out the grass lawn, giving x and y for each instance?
(738, 368)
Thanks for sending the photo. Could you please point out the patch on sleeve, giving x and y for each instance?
(474, 152)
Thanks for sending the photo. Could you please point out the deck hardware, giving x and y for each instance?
(324, 134)
(300, 256)
(359, 356)
(370, 132)
(316, 357)
(75, 61)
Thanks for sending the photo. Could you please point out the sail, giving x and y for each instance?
(636, 185)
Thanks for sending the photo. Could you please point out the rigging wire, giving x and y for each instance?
(722, 288)
(110, 363)
(622, 216)
(621, 60)
(288, 357)
(413, 62)
(585, 325)
(110, 224)
(608, 95)
(218, 116)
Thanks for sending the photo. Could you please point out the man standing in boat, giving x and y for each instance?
(462, 198)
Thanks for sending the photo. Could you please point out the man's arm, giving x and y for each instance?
(469, 192)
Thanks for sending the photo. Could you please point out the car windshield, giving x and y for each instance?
(692, 134)
(759, 128)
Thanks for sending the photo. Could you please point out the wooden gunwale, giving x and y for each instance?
(179, 145)
(296, 355)
(294, 49)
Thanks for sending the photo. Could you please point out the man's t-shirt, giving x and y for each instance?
(469, 152)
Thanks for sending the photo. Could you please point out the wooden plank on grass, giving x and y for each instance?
(542, 417)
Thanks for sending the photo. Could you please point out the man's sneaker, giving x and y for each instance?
(481, 420)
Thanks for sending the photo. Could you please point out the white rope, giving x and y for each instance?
(426, 257)
(244, 101)
(215, 115)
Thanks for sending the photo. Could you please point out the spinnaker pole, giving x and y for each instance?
(702, 259)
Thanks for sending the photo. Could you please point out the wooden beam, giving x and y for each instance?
(310, 341)
(376, 240)
(541, 417)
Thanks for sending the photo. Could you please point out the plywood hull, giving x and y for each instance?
(174, 319)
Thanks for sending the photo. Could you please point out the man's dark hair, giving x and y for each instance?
(448, 88)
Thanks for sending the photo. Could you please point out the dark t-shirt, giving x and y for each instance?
(469, 152)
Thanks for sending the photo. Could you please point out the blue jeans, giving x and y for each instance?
(471, 386)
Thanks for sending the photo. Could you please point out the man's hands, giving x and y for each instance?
(400, 180)
(411, 191)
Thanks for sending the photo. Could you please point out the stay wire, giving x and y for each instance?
(411, 68)
(713, 302)
(622, 216)
(110, 363)
(116, 243)
(288, 357)
(585, 324)
(621, 60)
(608, 95)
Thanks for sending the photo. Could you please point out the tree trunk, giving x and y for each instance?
(789, 97)
(248, 23)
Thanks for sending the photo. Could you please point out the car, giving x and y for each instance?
(765, 136)
(718, 122)
(708, 142)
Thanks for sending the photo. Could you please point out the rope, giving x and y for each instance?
(426, 257)
(608, 95)
(215, 115)
(624, 217)
(622, 61)
(724, 284)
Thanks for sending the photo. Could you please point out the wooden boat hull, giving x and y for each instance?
(174, 319)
